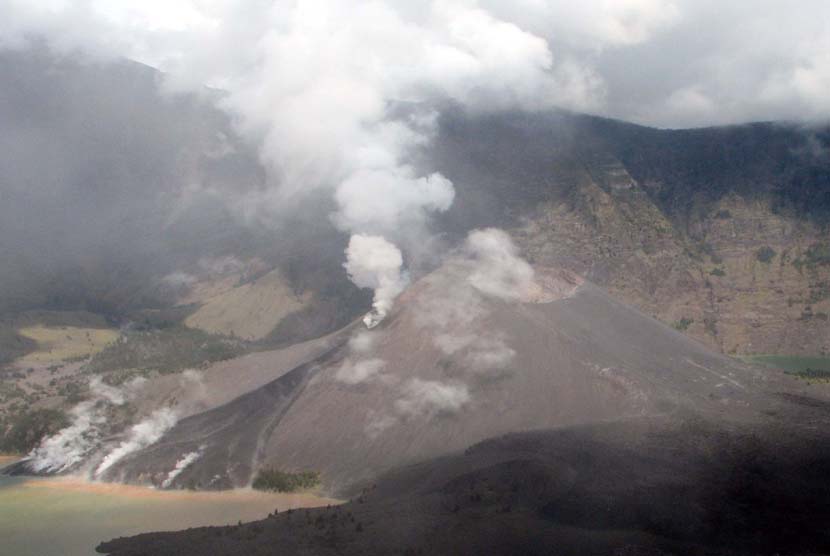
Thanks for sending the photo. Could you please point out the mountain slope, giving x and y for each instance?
(637, 487)
(568, 355)
(720, 231)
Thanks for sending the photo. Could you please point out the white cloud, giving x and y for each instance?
(292, 66)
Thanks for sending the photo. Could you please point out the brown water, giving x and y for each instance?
(69, 517)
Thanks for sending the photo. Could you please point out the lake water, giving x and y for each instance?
(69, 517)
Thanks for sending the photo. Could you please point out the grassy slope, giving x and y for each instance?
(790, 363)
(250, 311)
(66, 342)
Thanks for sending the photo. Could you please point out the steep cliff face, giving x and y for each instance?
(754, 282)
(767, 279)
(720, 232)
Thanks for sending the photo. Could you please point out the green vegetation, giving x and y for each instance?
(816, 367)
(282, 481)
(814, 374)
(818, 254)
(718, 271)
(20, 433)
(709, 250)
(12, 344)
(819, 291)
(765, 254)
(710, 323)
(682, 324)
(64, 343)
(10, 391)
(165, 350)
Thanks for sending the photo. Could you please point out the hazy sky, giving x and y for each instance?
(668, 63)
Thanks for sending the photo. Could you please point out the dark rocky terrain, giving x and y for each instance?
(637, 487)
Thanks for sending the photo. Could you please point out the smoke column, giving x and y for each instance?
(336, 93)
(71, 445)
(373, 262)
(141, 435)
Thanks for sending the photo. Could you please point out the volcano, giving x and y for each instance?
(453, 365)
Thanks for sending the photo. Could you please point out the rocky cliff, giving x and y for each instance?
(721, 233)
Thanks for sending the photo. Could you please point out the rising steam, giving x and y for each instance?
(71, 445)
(336, 94)
(372, 262)
(140, 435)
(183, 463)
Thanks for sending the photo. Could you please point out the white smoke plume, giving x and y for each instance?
(497, 269)
(316, 85)
(372, 262)
(140, 435)
(454, 307)
(71, 445)
(183, 463)
(420, 399)
(192, 381)
(359, 366)
(431, 397)
(355, 372)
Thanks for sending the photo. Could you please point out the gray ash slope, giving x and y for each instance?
(646, 486)
(578, 357)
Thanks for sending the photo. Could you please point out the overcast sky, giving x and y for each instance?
(669, 63)
(337, 93)
(314, 83)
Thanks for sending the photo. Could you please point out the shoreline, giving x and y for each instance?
(8, 459)
(73, 484)
(38, 514)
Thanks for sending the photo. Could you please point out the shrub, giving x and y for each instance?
(718, 271)
(682, 324)
(818, 254)
(765, 254)
(27, 430)
(811, 373)
(282, 481)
